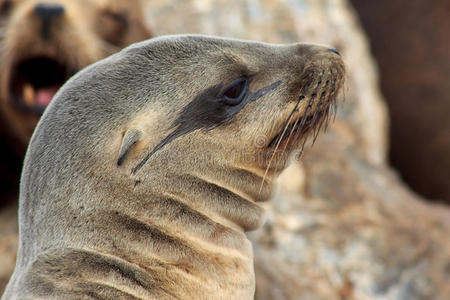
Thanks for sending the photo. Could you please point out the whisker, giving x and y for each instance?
(314, 129)
(298, 135)
(302, 146)
(278, 142)
(290, 135)
(310, 104)
(335, 95)
(295, 124)
(293, 128)
(321, 122)
(327, 121)
(321, 108)
(317, 112)
(289, 118)
(318, 126)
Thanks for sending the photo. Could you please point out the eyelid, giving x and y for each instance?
(247, 78)
(242, 82)
(240, 79)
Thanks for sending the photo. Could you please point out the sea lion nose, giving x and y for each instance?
(334, 51)
(48, 12)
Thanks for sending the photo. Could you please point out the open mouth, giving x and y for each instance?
(298, 129)
(35, 81)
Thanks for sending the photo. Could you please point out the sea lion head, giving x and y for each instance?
(150, 164)
(45, 42)
(219, 108)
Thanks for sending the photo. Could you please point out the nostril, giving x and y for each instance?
(334, 51)
(48, 11)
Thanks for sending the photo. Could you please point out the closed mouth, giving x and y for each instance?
(321, 95)
(298, 129)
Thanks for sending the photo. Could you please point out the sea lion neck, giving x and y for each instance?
(225, 195)
(188, 228)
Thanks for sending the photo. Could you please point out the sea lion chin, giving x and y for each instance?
(146, 170)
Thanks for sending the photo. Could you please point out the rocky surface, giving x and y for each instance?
(289, 21)
(350, 230)
(342, 225)
(412, 46)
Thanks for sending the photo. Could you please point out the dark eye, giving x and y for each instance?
(234, 94)
(118, 17)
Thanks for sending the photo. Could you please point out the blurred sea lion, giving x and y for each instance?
(43, 43)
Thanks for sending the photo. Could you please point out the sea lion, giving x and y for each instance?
(43, 43)
(146, 170)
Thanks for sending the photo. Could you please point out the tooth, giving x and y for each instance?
(28, 94)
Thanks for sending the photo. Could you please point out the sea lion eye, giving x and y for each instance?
(234, 94)
(119, 18)
(113, 26)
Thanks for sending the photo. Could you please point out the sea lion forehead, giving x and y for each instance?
(234, 48)
(223, 81)
(241, 56)
(182, 46)
(205, 40)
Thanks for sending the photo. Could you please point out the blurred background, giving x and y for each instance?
(411, 44)
(365, 215)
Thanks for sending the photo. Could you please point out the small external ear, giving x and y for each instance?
(129, 139)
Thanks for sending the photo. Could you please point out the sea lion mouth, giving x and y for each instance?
(36, 80)
(297, 128)
(296, 131)
(321, 96)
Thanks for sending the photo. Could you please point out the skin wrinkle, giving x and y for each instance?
(184, 216)
(37, 53)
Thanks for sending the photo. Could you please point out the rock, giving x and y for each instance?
(351, 230)
(342, 225)
(288, 21)
(413, 51)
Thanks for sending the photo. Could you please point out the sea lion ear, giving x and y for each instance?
(129, 139)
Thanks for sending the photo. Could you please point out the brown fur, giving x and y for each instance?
(95, 227)
(85, 32)
(89, 30)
